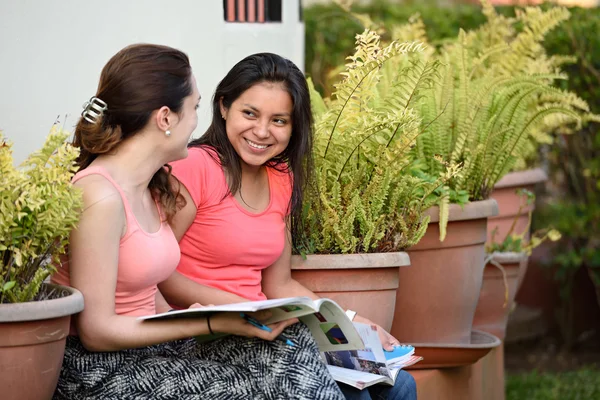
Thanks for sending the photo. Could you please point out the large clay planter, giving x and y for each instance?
(32, 345)
(493, 306)
(438, 294)
(505, 193)
(365, 283)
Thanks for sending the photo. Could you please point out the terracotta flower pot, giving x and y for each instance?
(32, 344)
(437, 296)
(365, 283)
(505, 193)
(494, 306)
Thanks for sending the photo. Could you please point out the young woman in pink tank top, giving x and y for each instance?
(140, 119)
(243, 183)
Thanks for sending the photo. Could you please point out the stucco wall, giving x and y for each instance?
(52, 52)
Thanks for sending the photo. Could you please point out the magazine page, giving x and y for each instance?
(291, 310)
(394, 368)
(300, 306)
(328, 322)
(331, 327)
(370, 359)
(360, 368)
(358, 379)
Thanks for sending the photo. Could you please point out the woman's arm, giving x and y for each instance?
(94, 254)
(185, 216)
(179, 290)
(182, 292)
(277, 281)
(161, 304)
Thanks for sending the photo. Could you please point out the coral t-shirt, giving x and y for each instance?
(227, 246)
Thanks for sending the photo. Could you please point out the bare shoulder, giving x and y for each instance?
(100, 195)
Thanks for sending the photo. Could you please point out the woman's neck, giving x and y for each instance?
(133, 163)
(251, 173)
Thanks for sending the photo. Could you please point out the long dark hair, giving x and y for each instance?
(136, 81)
(297, 157)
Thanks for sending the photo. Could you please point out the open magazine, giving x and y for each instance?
(370, 365)
(327, 321)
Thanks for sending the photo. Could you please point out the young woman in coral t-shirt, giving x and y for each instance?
(243, 183)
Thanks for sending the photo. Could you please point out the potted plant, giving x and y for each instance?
(363, 206)
(483, 116)
(38, 209)
(505, 267)
(525, 173)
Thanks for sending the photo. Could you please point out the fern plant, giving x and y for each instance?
(38, 209)
(514, 46)
(490, 103)
(494, 103)
(363, 198)
(484, 121)
(503, 47)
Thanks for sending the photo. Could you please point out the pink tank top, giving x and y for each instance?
(145, 259)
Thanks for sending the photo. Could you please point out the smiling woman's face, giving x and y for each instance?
(259, 123)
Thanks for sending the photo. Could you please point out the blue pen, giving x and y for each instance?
(257, 324)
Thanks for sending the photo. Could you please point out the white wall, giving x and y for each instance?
(52, 52)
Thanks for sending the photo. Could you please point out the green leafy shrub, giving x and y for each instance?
(329, 32)
(540, 48)
(363, 199)
(38, 209)
(490, 105)
(573, 204)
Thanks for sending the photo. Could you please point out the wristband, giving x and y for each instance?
(208, 323)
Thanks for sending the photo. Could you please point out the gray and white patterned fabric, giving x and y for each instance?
(229, 368)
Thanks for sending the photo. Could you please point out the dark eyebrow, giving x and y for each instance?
(275, 115)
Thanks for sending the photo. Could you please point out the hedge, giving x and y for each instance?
(330, 37)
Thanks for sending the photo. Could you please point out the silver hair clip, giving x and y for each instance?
(93, 109)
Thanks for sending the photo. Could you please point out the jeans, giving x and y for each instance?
(405, 388)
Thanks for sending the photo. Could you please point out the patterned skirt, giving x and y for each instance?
(229, 368)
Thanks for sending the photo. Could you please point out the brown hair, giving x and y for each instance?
(136, 81)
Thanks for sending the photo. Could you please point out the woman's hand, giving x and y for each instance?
(198, 305)
(234, 324)
(387, 340)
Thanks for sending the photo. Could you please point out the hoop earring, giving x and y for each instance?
(168, 133)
